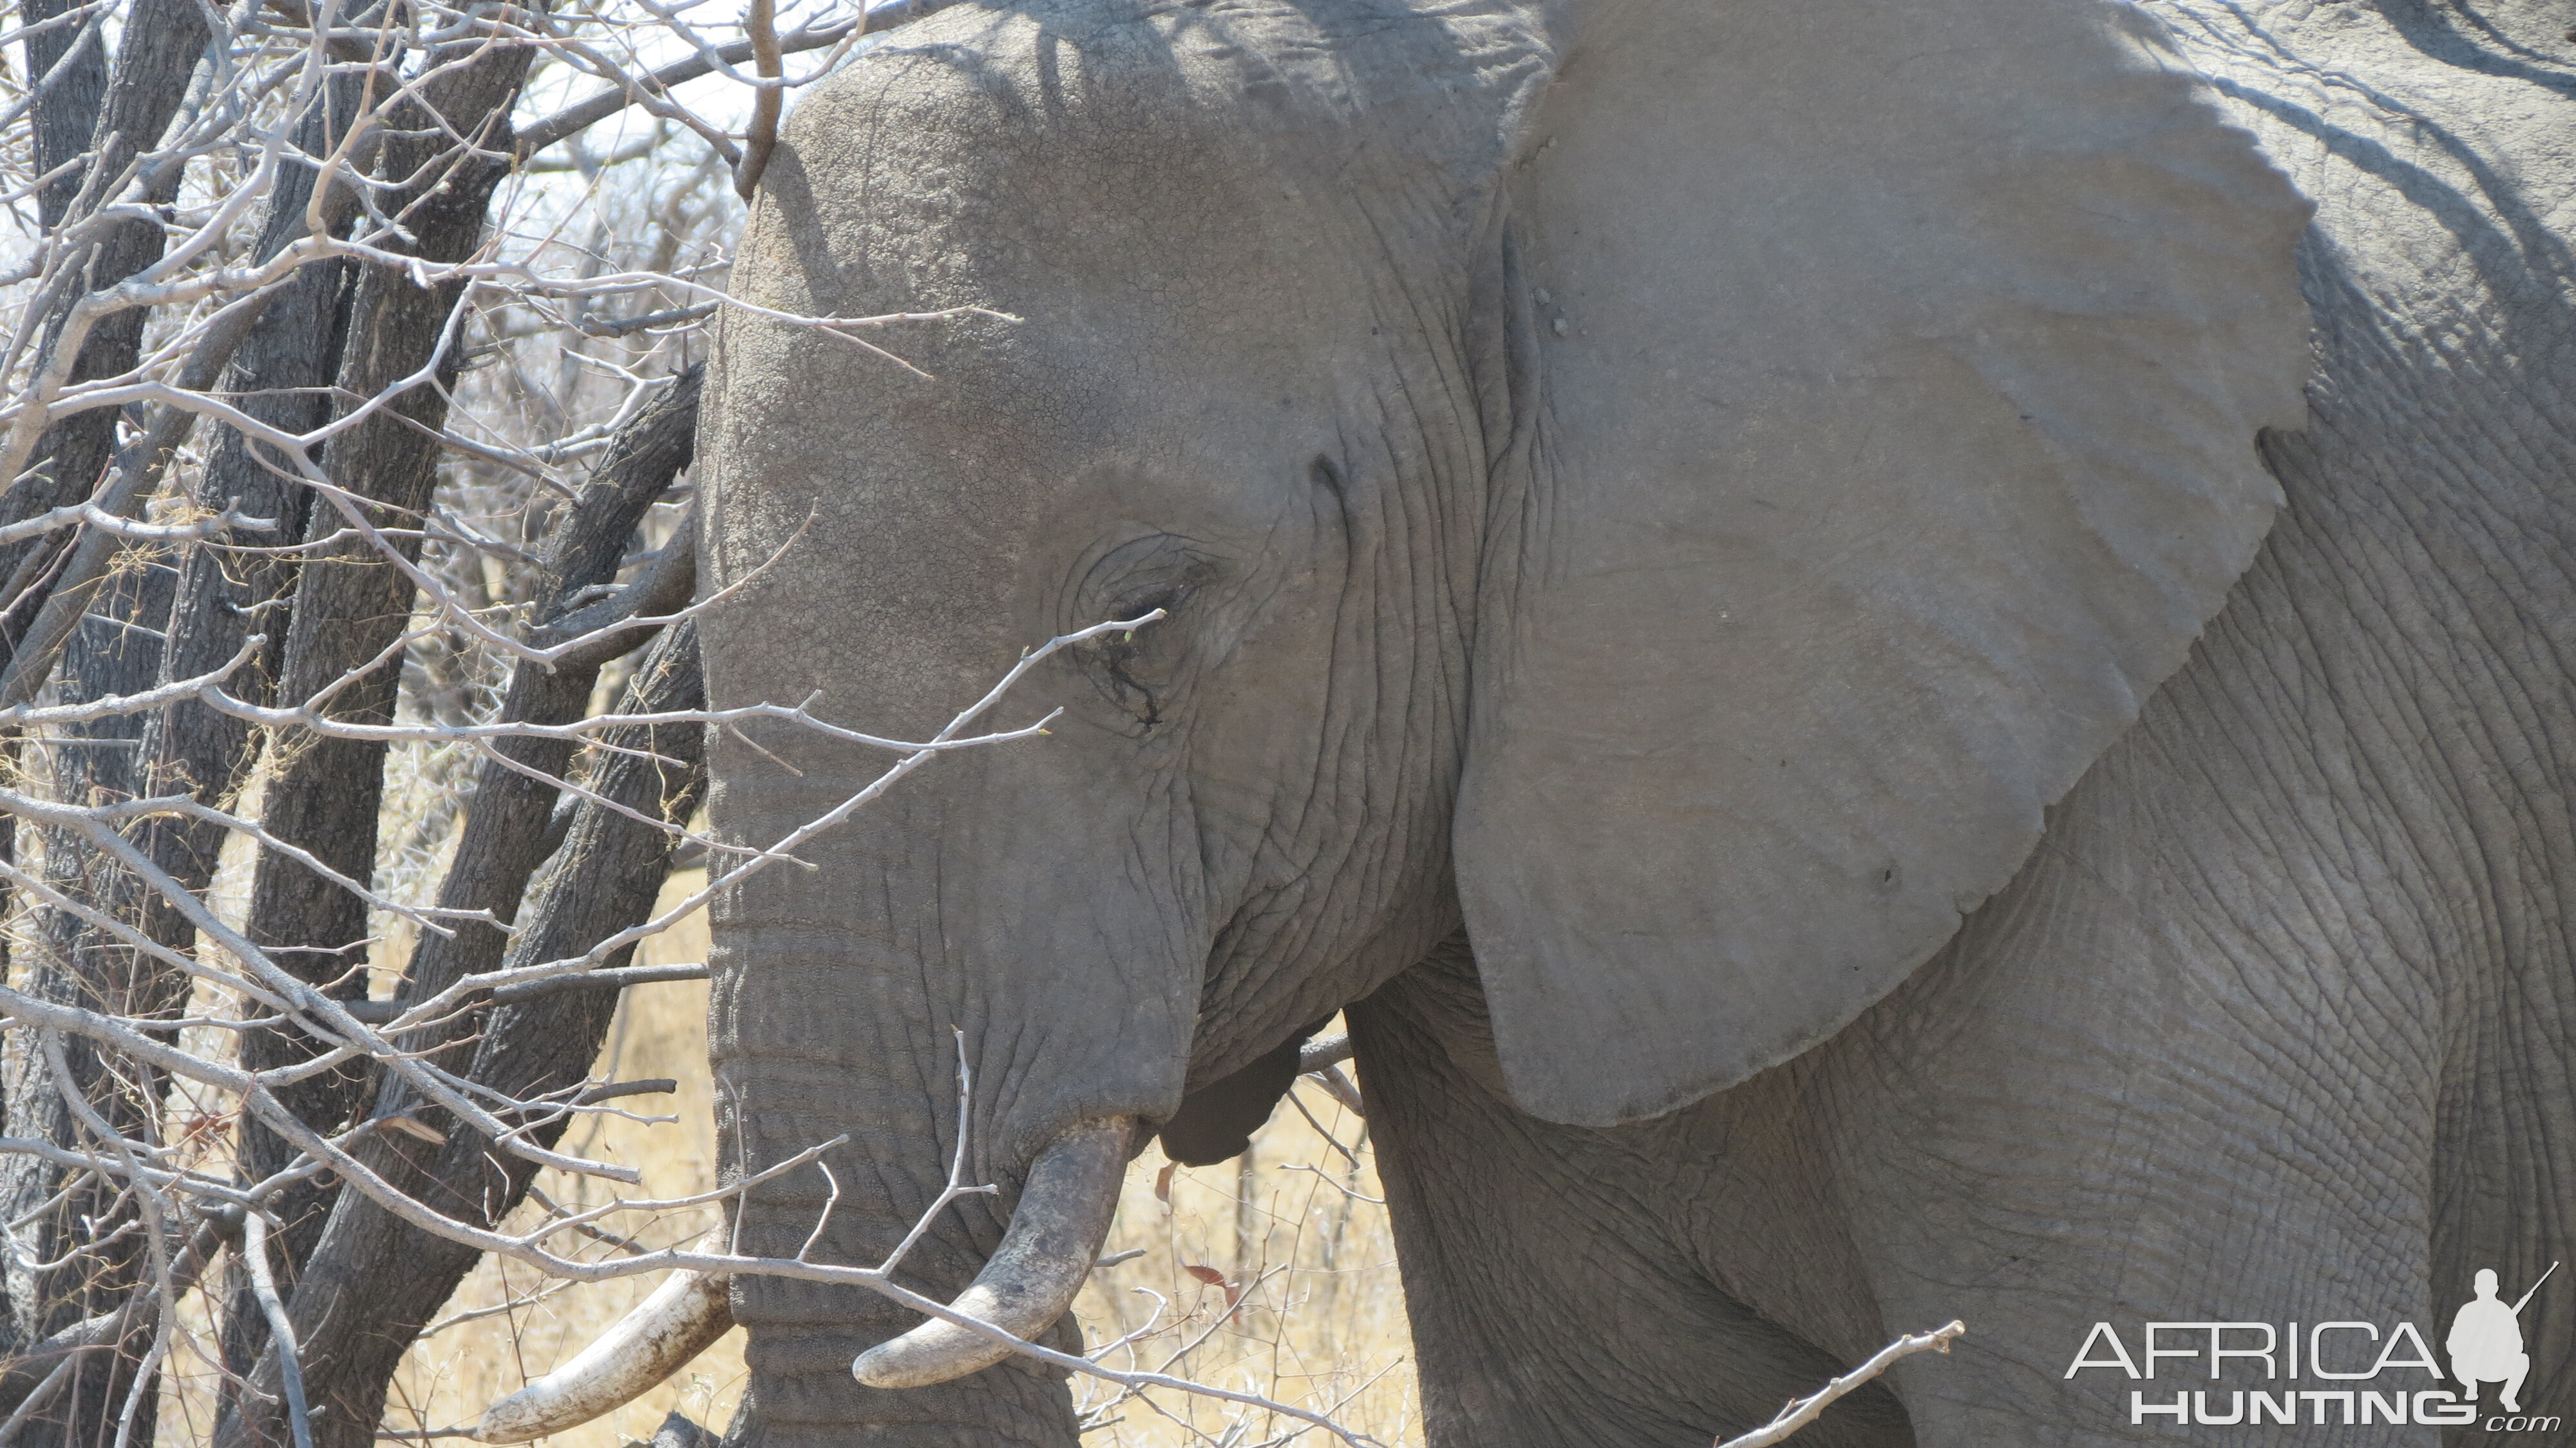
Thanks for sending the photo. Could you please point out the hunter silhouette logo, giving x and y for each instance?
(2486, 1341)
(2345, 1373)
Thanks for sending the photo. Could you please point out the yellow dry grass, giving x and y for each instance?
(527, 1324)
(1273, 1275)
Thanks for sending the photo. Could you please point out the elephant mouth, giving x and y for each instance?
(1055, 1234)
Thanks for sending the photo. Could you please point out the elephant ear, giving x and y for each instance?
(1884, 431)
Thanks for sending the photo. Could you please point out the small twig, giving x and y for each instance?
(599, 980)
(1334, 1141)
(1323, 1053)
(615, 1090)
(571, 120)
(1327, 1179)
(758, 25)
(507, 1305)
(1806, 1410)
(956, 1186)
(673, 317)
(281, 1328)
(1339, 1087)
(824, 1219)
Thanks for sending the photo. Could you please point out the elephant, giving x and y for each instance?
(1902, 661)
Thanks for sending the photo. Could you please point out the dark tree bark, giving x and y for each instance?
(328, 616)
(505, 829)
(162, 44)
(503, 843)
(349, 607)
(278, 377)
(69, 107)
(115, 650)
(375, 1280)
(61, 122)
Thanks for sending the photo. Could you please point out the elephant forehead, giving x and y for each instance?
(1204, 237)
(1116, 71)
(1165, 144)
(1167, 206)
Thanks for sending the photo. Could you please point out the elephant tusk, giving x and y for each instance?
(682, 1319)
(1054, 1237)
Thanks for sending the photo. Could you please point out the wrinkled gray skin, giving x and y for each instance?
(1692, 499)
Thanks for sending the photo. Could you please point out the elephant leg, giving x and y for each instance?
(1558, 1277)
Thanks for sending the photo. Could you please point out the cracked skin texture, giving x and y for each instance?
(1899, 690)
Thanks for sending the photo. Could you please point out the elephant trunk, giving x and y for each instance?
(824, 1026)
(944, 927)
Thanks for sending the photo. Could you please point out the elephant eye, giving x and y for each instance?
(1125, 653)
(1121, 665)
(1139, 671)
(1140, 578)
(1167, 597)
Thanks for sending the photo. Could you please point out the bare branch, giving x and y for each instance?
(573, 119)
(1801, 1412)
(758, 22)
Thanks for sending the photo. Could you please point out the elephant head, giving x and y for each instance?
(1676, 489)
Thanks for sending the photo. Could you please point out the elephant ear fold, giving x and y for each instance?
(1885, 416)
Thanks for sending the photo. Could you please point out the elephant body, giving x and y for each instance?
(1775, 914)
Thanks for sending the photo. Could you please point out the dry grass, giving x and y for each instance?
(1273, 1274)
(451, 1375)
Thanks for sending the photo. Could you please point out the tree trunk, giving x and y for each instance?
(350, 605)
(116, 650)
(503, 843)
(277, 376)
(162, 43)
(70, 105)
(506, 827)
(375, 1280)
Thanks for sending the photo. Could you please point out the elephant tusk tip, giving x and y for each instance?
(507, 1421)
(883, 1367)
(681, 1319)
(935, 1353)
